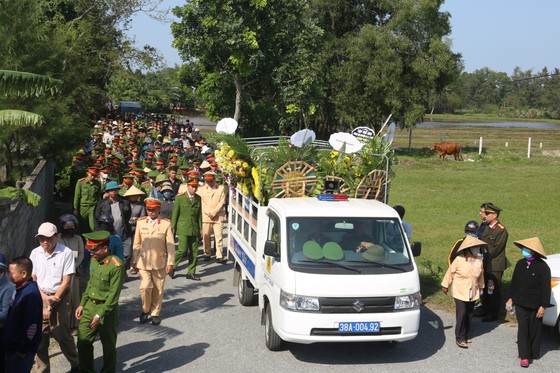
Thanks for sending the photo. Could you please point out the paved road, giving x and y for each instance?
(204, 329)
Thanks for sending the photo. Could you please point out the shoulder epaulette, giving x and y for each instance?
(166, 219)
(141, 217)
(116, 262)
(501, 226)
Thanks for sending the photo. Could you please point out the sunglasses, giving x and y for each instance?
(95, 249)
(489, 212)
(151, 210)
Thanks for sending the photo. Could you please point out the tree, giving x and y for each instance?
(385, 57)
(257, 49)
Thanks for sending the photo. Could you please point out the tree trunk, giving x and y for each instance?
(238, 89)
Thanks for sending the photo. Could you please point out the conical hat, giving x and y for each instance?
(532, 243)
(471, 241)
(133, 191)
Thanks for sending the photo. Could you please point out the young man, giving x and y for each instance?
(99, 309)
(23, 325)
(153, 256)
(186, 223)
(213, 196)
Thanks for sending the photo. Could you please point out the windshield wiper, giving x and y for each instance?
(334, 264)
(379, 263)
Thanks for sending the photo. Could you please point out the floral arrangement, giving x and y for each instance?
(253, 171)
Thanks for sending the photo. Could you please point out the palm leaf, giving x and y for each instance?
(22, 84)
(19, 118)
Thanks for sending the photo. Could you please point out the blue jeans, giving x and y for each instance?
(15, 363)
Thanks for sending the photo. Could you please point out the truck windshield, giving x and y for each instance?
(359, 245)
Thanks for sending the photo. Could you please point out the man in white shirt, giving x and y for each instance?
(53, 268)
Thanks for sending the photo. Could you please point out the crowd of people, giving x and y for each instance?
(476, 265)
(141, 188)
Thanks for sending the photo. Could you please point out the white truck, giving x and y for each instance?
(325, 270)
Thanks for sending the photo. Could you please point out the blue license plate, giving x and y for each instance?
(359, 327)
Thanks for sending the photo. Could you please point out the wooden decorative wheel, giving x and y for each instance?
(372, 186)
(294, 179)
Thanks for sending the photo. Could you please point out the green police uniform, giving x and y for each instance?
(101, 298)
(186, 223)
(86, 196)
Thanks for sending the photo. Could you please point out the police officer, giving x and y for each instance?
(153, 255)
(186, 223)
(99, 309)
(496, 236)
(86, 196)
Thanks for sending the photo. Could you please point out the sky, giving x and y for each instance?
(498, 34)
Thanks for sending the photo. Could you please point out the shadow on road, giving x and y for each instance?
(430, 339)
(154, 358)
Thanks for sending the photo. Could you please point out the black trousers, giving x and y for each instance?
(491, 303)
(463, 317)
(528, 333)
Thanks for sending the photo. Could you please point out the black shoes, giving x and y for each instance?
(192, 276)
(221, 260)
(206, 258)
(489, 319)
(144, 318)
(156, 320)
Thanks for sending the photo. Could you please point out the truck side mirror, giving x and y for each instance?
(271, 248)
(416, 248)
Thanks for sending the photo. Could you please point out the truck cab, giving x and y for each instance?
(325, 271)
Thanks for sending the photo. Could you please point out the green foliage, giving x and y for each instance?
(62, 185)
(19, 118)
(253, 56)
(22, 84)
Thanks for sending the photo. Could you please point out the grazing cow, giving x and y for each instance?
(448, 148)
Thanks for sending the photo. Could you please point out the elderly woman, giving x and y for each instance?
(530, 286)
(467, 276)
(69, 238)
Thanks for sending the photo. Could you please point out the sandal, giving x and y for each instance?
(524, 363)
(469, 340)
(462, 344)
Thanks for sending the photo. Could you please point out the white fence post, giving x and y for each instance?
(480, 146)
(529, 149)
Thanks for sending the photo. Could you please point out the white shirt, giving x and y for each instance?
(49, 269)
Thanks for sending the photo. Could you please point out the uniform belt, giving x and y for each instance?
(97, 301)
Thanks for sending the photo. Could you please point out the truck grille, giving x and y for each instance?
(357, 305)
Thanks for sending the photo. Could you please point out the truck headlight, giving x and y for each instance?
(408, 302)
(294, 302)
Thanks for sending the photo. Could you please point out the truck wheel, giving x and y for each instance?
(272, 340)
(245, 291)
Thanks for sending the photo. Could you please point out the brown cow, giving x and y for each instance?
(448, 148)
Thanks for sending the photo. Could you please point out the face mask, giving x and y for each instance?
(168, 195)
(526, 253)
(68, 232)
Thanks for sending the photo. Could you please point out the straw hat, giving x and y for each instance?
(533, 244)
(133, 191)
(471, 241)
(375, 253)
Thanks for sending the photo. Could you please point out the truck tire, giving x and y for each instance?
(245, 291)
(272, 340)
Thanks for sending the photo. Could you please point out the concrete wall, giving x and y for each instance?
(18, 221)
